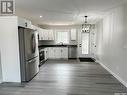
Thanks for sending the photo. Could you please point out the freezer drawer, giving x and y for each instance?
(32, 68)
(29, 69)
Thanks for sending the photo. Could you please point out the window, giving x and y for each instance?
(85, 43)
(62, 37)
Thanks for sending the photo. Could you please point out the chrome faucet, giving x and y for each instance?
(61, 43)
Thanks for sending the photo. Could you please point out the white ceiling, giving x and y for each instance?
(64, 12)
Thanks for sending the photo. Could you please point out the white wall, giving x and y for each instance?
(9, 49)
(112, 42)
(0, 69)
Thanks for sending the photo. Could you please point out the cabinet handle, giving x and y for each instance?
(80, 45)
(26, 24)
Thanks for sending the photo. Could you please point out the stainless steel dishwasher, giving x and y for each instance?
(72, 52)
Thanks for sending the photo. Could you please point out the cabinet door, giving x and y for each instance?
(64, 52)
(34, 27)
(50, 35)
(51, 53)
(57, 52)
(46, 53)
(24, 23)
(73, 34)
(40, 31)
(28, 24)
(39, 35)
(45, 34)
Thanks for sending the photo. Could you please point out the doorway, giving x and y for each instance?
(86, 44)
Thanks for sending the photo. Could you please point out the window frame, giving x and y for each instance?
(56, 31)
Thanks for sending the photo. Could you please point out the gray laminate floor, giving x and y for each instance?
(68, 78)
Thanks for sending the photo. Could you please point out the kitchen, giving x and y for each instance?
(59, 43)
(62, 49)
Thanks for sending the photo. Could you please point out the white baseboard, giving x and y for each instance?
(115, 75)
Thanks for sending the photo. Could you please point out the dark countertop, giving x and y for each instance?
(44, 46)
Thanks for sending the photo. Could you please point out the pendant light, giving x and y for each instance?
(85, 25)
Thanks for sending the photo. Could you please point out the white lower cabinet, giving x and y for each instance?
(51, 53)
(46, 54)
(58, 52)
(64, 53)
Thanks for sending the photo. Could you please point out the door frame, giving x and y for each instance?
(80, 55)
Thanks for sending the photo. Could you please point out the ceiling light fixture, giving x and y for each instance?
(85, 25)
(41, 16)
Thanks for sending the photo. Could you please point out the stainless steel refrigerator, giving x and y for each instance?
(29, 56)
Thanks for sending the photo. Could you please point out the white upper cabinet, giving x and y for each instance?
(73, 34)
(34, 27)
(24, 23)
(51, 35)
(40, 31)
(46, 34)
